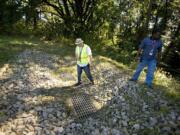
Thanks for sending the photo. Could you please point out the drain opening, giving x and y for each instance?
(83, 105)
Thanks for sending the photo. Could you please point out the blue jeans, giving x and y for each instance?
(150, 72)
(86, 70)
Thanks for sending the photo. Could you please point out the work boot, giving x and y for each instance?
(78, 83)
(132, 80)
(150, 87)
(92, 83)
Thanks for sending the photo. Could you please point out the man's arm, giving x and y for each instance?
(138, 56)
(76, 55)
(90, 60)
(139, 52)
(141, 46)
(89, 52)
(158, 57)
(159, 54)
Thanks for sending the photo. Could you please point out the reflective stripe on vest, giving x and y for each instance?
(83, 59)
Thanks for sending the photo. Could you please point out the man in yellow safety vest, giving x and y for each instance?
(84, 60)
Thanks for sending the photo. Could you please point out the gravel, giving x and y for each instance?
(32, 104)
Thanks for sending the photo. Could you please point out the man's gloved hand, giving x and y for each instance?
(158, 63)
(138, 59)
(91, 65)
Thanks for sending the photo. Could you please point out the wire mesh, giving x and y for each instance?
(83, 105)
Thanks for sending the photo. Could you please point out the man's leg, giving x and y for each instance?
(79, 72)
(138, 70)
(150, 72)
(88, 73)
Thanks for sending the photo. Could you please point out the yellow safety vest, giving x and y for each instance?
(83, 59)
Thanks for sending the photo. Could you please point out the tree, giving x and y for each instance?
(10, 13)
(75, 14)
(31, 11)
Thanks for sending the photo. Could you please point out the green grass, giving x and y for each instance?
(11, 46)
(148, 131)
(2, 114)
(64, 48)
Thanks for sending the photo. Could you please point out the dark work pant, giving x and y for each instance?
(86, 70)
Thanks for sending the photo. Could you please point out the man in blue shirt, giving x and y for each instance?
(149, 54)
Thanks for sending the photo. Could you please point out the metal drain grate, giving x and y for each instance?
(83, 105)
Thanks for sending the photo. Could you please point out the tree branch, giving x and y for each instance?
(56, 8)
(66, 8)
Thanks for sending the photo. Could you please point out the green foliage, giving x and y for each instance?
(10, 47)
(2, 114)
(114, 27)
(10, 13)
(148, 131)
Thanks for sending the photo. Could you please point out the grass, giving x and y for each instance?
(2, 114)
(123, 60)
(64, 48)
(148, 131)
(11, 46)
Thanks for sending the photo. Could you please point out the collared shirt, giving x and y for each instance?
(150, 48)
